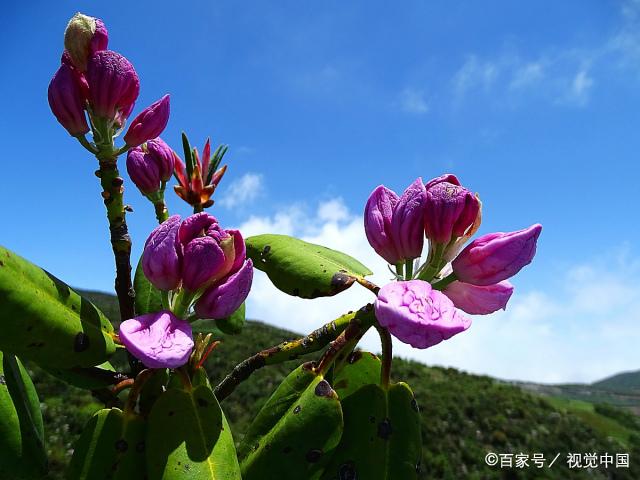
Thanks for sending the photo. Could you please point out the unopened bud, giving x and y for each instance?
(83, 37)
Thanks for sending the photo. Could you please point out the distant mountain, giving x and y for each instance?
(463, 416)
(627, 382)
(621, 390)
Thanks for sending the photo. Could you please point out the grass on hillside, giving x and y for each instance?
(587, 412)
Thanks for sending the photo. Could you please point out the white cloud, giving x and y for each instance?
(624, 46)
(242, 191)
(580, 87)
(413, 101)
(560, 75)
(583, 328)
(475, 73)
(527, 75)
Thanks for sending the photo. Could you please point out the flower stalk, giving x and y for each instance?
(387, 356)
(112, 194)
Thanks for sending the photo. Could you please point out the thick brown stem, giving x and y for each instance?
(112, 194)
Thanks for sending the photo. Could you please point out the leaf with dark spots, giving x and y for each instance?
(302, 424)
(354, 357)
(303, 269)
(385, 429)
(22, 448)
(347, 471)
(196, 438)
(32, 296)
(105, 445)
(81, 342)
(314, 455)
(121, 445)
(385, 420)
(323, 389)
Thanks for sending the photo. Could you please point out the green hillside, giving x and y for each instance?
(620, 390)
(627, 382)
(463, 416)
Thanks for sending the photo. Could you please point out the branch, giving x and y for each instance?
(284, 351)
(112, 193)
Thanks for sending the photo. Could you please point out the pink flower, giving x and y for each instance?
(477, 300)
(149, 123)
(83, 37)
(159, 340)
(208, 251)
(449, 211)
(417, 314)
(113, 86)
(497, 256)
(201, 256)
(393, 224)
(67, 102)
(225, 297)
(150, 164)
(161, 261)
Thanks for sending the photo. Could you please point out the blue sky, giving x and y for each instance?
(532, 104)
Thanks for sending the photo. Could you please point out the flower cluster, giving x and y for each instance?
(422, 308)
(103, 84)
(150, 165)
(203, 270)
(198, 177)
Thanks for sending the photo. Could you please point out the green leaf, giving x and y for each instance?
(46, 321)
(303, 269)
(360, 369)
(189, 437)
(381, 439)
(111, 446)
(296, 431)
(206, 326)
(233, 324)
(88, 378)
(148, 298)
(188, 158)
(152, 389)
(22, 451)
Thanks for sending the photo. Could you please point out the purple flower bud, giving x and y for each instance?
(208, 251)
(161, 260)
(477, 300)
(406, 222)
(159, 340)
(378, 214)
(100, 38)
(224, 298)
(66, 101)
(149, 123)
(418, 315)
(449, 211)
(447, 177)
(143, 170)
(113, 86)
(163, 156)
(497, 256)
(394, 225)
(83, 37)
